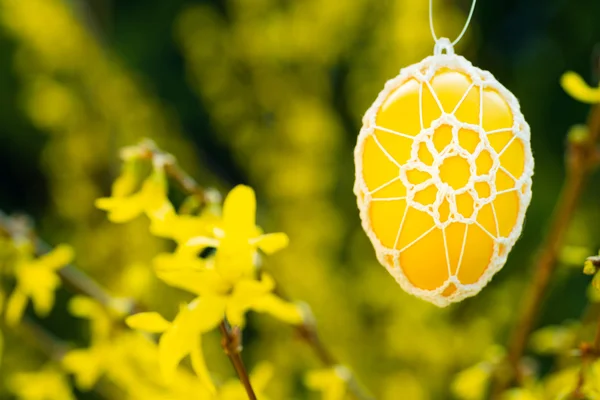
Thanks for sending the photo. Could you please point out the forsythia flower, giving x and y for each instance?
(46, 384)
(225, 284)
(576, 87)
(235, 235)
(126, 204)
(89, 364)
(36, 279)
(238, 237)
(182, 337)
(332, 382)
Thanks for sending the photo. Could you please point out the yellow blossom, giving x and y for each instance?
(576, 87)
(182, 228)
(182, 337)
(36, 279)
(89, 364)
(125, 204)
(235, 300)
(331, 382)
(237, 237)
(46, 384)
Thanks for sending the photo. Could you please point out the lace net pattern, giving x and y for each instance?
(443, 198)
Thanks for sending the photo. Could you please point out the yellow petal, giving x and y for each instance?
(83, 307)
(15, 307)
(43, 299)
(153, 195)
(127, 182)
(46, 384)
(194, 281)
(148, 322)
(122, 209)
(239, 211)
(178, 341)
(207, 312)
(245, 295)
(235, 258)
(59, 257)
(331, 382)
(278, 308)
(182, 258)
(172, 350)
(182, 228)
(199, 366)
(577, 88)
(1, 347)
(86, 365)
(272, 242)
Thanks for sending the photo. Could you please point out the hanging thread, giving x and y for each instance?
(435, 38)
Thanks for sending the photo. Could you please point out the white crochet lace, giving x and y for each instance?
(423, 72)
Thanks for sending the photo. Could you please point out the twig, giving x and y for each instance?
(588, 353)
(582, 157)
(308, 332)
(232, 345)
(49, 344)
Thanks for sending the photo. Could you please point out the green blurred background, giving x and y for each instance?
(271, 93)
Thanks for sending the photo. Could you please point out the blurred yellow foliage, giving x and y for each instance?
(37, 280)
(47, 384)
(332, 382)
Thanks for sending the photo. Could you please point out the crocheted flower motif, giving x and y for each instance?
(443, 177)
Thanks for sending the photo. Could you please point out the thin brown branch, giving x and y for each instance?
(582, 157)
(588, 353)
(45, 341)
(308, 332)
(186, 183)
(232, 345)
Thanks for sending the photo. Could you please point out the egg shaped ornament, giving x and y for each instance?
(443, 176)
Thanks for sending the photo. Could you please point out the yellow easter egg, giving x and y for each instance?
(443, 177)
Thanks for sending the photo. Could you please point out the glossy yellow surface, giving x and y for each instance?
(428, 261)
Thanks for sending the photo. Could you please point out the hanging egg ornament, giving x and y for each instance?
(443, 176)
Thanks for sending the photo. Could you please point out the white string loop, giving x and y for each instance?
(435, 38)
(443, 46)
